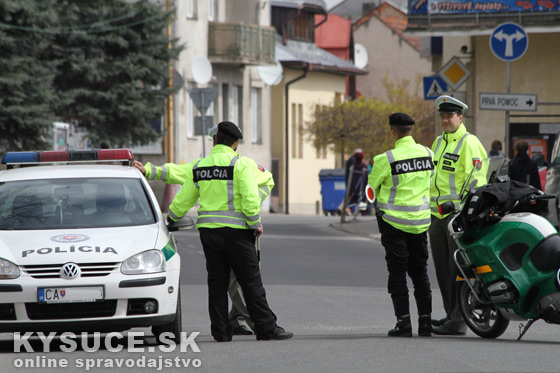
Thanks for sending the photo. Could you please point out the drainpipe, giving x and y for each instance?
(287, 110)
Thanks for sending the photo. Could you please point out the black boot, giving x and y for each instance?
(403, 328)
(425, 326)
(424, 305)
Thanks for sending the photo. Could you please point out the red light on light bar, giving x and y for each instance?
(113, 154)
(53, 156)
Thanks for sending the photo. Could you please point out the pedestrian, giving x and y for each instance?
(356, 183)
(171, 173)
(522, 168)
(225, 185)
(456, 152)
(496, 149)
(401, 180)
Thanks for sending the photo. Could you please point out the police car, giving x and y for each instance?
(84, 246)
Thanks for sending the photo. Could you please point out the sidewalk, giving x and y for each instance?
(364, 226)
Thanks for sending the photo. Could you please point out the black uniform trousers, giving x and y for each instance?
(443, 248)
(228, 249)
(405, 253)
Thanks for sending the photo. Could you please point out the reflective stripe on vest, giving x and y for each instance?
(221, 220)
(163, 173)
(225, 216)
(153, 171)
(263, 191)
(390, 205)
(452, 187)
(396, 220)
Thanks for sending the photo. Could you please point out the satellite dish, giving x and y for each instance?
(271, 74)
(201, 70)
(360, 56)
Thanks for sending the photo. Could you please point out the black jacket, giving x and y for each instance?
(524, 169)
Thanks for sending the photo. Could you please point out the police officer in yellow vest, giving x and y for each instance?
(456, 152)
(171, 173)
(401, 181)
(225, 186)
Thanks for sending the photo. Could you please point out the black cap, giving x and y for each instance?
(230, 129)
(400, 119)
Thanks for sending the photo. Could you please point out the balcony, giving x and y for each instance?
(235, 43)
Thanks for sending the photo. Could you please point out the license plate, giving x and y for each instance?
(70, 294)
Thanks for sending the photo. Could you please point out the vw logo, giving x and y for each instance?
(70, 271)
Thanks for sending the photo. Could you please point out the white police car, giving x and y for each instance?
(84, 246)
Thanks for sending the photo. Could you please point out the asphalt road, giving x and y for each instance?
(329, 288)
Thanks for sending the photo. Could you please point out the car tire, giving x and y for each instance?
(173, 327)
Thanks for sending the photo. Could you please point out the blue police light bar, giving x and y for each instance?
(68, 156)
(20, 157)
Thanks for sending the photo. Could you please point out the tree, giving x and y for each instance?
(26, 97)
(363, 123)
(101, 64)
(112, 76)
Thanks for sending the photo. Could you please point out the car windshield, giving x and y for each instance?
(486, 171)
(74, 203)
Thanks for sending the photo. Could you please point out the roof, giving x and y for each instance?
(297, 54)
(335, 33)
(354, 9)
(394, 18)
(298, 3)
(69, 171)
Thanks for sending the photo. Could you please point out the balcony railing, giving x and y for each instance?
(241, 43)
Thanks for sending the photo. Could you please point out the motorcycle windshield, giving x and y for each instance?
(485, 172)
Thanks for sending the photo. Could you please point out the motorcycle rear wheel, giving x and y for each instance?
(485, 320)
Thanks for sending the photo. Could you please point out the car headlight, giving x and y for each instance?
(151, 261)
(8, 270)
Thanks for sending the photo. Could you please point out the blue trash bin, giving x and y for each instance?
(333, 189)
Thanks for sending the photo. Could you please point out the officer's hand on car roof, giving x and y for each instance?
(138, 165)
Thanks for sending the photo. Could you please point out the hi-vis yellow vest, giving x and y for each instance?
(455, 155)
(401, 180)
(225, 186)
(171, 173)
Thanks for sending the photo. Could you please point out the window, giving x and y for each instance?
(237, 110)
(225, 102)
(191, 9)
(297, 131)
(211, 10)
(256, 117)
(189, 115)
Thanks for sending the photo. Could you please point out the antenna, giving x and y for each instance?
(201, 70)
(360, 56)
(271, 74)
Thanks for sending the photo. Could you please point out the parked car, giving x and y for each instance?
(84, 246)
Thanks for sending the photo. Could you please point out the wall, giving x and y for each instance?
(316, 88)
(534, 73)
(388, 54)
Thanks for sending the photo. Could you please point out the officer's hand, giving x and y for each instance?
(259, 231)
(138, 165)
(170, 222)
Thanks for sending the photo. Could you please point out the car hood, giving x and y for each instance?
(97, 245)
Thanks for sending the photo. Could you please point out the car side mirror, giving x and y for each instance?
(184, 223)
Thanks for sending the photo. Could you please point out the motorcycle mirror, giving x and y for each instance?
(370, 194)
(446, 207)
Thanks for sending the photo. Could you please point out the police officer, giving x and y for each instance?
(171, 173)
(224, 183)
(401, 181)
(456, 152)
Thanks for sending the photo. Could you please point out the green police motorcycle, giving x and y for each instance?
(508, 254)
